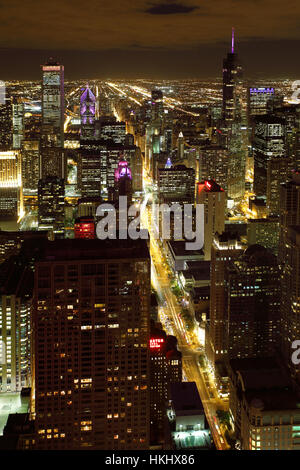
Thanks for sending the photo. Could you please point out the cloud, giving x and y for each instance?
(169, 9)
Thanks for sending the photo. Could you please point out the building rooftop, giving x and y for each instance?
(265, 383)
(185, 398)
(81, 249)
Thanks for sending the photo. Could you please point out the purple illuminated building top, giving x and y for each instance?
(87, 106)
(255, 91)
(122, 170)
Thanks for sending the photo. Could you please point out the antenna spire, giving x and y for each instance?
(232, 41)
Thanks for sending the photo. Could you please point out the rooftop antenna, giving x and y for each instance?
(232, 41)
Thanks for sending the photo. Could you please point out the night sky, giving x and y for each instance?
(155, 39)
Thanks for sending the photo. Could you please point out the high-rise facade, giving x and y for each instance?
(87, 114)
(225, 247)
(52, 132)
(270, 161)
(91, 331)
(253, 328)
(165, 368)
(30, 152)
(15, 325)
(213, 197)
(51, 201)
(232, 74)
(176, 184)
(290, 302)
(18, 122)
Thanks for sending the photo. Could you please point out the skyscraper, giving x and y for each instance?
(51, 202)
(290, 302)
(232, 73)
(234, 123)
(87, 114)
(253, 328)
(270, 161)
(18, 122)
(226, 246)
(15, 317)
(52, 132)
(213, 197)
(91, 331)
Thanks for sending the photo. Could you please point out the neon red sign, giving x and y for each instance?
(155, 343)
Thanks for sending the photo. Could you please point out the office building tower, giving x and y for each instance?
(91, 331)
(270, 161)
(263, 405)
(253, 328)
(6, 131)
(176, 184)
(213, 197)
(11, 194)
(213, 164)
(165, 369)
(132, 154)
(157, 104)
(15, 317)
(225, 247)
(51, 205)
(232, 75)
(180, 147)
(289, 210)
(264, 232)
(234, 130)
(30, 152)
(84, 227)
(259, 101)
(91, 166)
(52, 131)
(290, 302)
(113, 131)
(17, 122)
(87, 114)
(123, 182)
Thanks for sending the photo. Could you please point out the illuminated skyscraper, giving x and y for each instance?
(253, 328)
(259, 101)
(30, 152)
(6, 124)
(176, 184)
(289, 210)
(11, 195)
(18, 122)
(290, 302)
(91, 332)
(234, 124)
(87, 114)
(165, 368)
(157, 104)
(213, 197)
(213, 164)
(225, 247)
(52, 133)
(270, 161)
(15, 315)
(123, 181)
(51, 201)
(232, 74)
